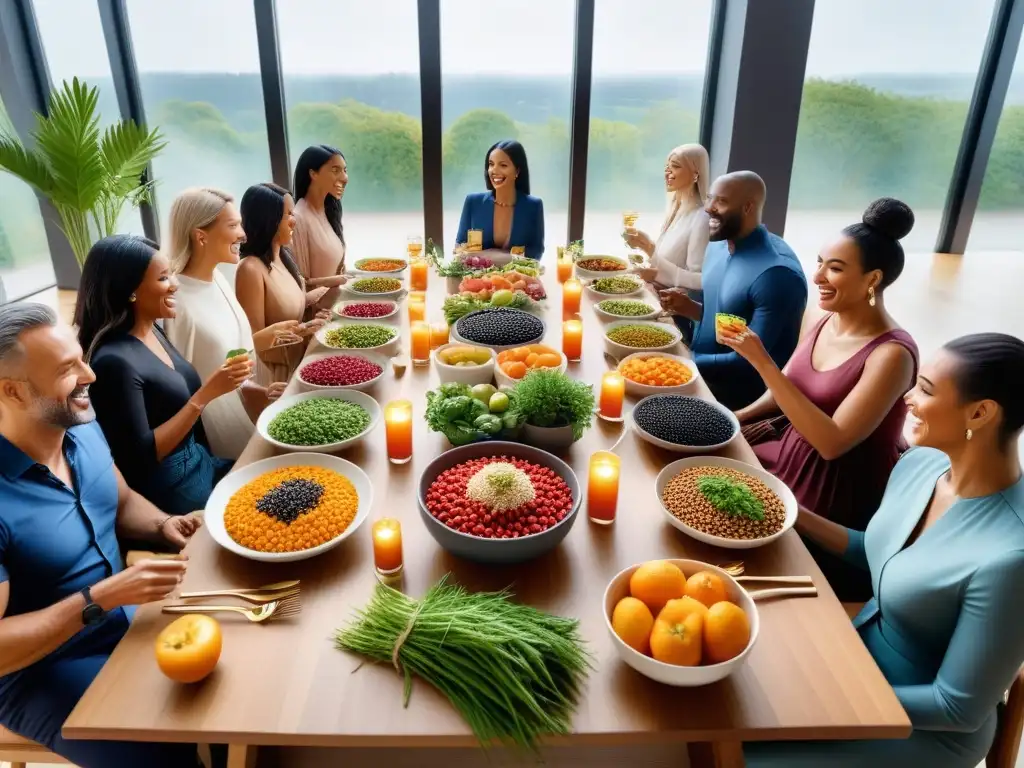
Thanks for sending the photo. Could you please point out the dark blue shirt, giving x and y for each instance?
(56, 540)
(527, 222)
(762, 282)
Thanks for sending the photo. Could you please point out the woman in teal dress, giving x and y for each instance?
(946, 556)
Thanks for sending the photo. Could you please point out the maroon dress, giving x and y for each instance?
(846, 490)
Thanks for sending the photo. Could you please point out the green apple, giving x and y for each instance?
(483, 392)
(498, 403)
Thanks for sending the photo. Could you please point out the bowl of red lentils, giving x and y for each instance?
(497, 502)
(289, 507)
(341, 370)
(365, 310)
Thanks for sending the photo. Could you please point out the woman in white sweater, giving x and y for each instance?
(206, 231)
(677, 256)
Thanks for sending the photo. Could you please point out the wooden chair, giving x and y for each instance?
(19, 751)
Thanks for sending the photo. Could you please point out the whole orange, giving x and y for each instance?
(188, 648)
(677, 610)
(678, 642)
(707, 587)
(632, 622)
(726, 632)
(657, 582)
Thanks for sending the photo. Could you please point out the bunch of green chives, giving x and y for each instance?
(513, 672)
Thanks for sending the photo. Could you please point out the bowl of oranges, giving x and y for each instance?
(657, 373)
(513, 364)
(681, 622)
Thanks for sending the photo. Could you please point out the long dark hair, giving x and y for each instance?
(517, 155)
(885, 222)
(990, 366)
(113, 271)
(262, 209)
(313, 159)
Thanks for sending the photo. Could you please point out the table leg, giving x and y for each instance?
(716, 754)
(242, 756)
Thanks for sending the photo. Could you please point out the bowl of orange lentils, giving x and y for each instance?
(657, 373)
(290, 507)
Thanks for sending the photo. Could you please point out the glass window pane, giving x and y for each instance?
(883, 112)
(507, 75)
(997, 223)
(201, 86)
(359, 91)
(74, 46)
(648, 86)
(25, 265)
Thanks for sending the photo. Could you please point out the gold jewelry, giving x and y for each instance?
(132, 298)
(503, 205)
(970, 434)
(871, 296)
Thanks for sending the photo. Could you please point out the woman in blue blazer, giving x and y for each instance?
(507, 214)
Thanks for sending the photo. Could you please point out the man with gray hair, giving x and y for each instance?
(66, 598)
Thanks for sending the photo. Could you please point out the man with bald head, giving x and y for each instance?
(750, 273)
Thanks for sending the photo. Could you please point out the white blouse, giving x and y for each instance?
(210, 323)
(679, 252)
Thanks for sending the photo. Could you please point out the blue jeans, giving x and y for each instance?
(185, 479)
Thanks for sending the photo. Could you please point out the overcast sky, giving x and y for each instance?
(524, 37)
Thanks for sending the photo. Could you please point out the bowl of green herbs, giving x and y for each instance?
(557, 408)
(724, 502)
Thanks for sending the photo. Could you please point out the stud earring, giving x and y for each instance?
(132, 298)
(970, 434)
(871, 296)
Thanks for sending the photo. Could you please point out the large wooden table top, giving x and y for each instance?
(285, 684)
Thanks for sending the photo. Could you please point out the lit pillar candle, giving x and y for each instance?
(398, 430)
(572, 292)
(613, 389)
(420, 342)
(418, 274)
(438, 335)
(572, 339)
(603, 487)
(387, 546)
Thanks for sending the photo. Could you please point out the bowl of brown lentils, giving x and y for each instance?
(724, 502)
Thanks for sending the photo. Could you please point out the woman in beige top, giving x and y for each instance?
(318, 245)
(268, 284)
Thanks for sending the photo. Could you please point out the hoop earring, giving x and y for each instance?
(871, 296)
(970, 434)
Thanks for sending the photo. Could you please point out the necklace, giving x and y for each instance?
(500, 204)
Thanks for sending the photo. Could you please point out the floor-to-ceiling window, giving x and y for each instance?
(884, 103)
(199, 68)
(649, 61)
(507, 74)
(351, 80)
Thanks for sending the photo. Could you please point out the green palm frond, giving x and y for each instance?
(27, 166)
(68, 140)
(126, 149)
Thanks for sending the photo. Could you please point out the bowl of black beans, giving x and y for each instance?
(684, 424)
(499, 328)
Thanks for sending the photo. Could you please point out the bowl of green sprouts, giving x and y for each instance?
(557, 408)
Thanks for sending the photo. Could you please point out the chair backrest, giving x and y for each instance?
(1003, 753)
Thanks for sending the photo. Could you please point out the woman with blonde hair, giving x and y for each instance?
(205, 231)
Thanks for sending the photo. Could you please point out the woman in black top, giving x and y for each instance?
(148, 398)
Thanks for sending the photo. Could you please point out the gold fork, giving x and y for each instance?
(256, 614)
(279, 591)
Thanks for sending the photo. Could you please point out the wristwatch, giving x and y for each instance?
(92, 613)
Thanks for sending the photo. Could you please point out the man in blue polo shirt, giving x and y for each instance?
(65, 596)
(750, 273)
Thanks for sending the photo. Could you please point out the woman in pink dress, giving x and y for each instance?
(830, 424)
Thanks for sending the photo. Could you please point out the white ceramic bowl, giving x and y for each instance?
(618, 318)
(394, 295)
(589, 273)
(504, 380)
(777, 487)
(284, 403)
(213, 519)
(672, 674)
(643, 390)
(641, 290)
(454, 333)
(340, 306)
(389, 273)
(470, 374)
(619, 351)
(388, 348)
(687, 449)
(306, 386)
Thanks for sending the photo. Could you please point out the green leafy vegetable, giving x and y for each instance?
(513, 672)
(463, 419)
(550, 398)
(731, 497)
(459, 306)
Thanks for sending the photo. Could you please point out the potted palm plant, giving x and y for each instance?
(87, 176)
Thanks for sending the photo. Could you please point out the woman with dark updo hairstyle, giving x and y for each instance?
(830, 424)
(945, 553)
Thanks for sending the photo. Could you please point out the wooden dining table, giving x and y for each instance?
(285, 685)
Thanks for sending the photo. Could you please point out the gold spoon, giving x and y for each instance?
(736, 569)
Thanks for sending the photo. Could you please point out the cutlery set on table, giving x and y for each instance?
(269, 602)
(804, 585)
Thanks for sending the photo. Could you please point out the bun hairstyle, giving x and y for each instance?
(885, 222)
(990, 366)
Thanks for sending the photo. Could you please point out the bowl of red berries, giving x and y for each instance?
(341, 370)
(497, 502)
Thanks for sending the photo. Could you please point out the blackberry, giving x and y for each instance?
(500, 327)
(683, 420)
(287, 500)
